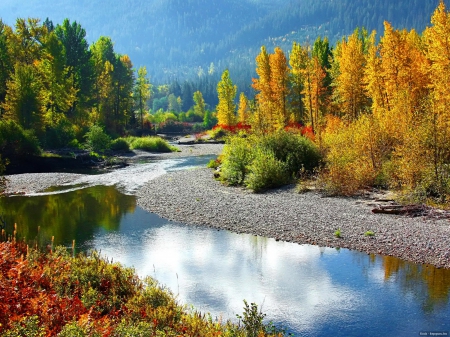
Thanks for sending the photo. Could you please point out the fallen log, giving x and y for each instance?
(411, 210)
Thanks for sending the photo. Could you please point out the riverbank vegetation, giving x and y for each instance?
(377, 106)
(57, 293)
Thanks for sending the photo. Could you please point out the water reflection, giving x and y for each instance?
(67, 216)
(309, 290)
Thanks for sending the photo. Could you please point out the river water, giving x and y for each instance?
(308, 290)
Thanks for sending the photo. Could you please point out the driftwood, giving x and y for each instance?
(411, 210)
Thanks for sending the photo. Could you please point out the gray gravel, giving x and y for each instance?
(28, 183)
(194, 197)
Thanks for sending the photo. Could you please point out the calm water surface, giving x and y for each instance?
(311, 291)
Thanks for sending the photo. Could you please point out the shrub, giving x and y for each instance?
(266, 171)
(267, 161)
(151, 144)
(296, 151)
(97, 140)
(237, 155)
(354, 155)
(15, 141)
(120, 144)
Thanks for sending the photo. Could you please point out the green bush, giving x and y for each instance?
(120, 144)
(266, 161)
(237, 155)
(296, 151)
(97, 140)
(151, 144)
(15, 141)
(266, 171)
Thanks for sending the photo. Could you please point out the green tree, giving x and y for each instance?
(142, 91)
(57, 93)
(80, 68)
(22, 102)
(123, 81)
(104, 60)
(25, 43)
(199, 107)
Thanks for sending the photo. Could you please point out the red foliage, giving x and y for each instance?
(305, 131)
(25, 291)
(233, 128)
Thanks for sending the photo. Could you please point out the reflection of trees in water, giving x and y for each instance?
(67, 216)
(419, 280)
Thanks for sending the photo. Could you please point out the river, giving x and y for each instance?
(308, 290)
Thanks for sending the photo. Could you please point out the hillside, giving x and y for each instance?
(179, 39)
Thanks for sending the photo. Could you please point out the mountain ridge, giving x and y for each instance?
(179, 39)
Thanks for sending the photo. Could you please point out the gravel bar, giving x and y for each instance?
(194, 197)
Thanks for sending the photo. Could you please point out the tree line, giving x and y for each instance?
(378, 106)
(54, 83)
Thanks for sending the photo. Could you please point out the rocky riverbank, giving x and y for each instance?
(194, 197)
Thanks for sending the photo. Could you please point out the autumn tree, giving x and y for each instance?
(298, 60)
(314, 93)
(263, 118)
(279, 76)
(349, 61)
(437, 47)
(226, 106)
(243, 110)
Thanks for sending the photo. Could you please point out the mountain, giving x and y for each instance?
(180, 39)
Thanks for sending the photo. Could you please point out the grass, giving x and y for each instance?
(150, 144)
(369, 233)
(338, 233)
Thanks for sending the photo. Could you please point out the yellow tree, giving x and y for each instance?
(314, 91)
(263, 114)
(279, 76)
(226, 107)
(437, 43)
(348, 81)
(243, 110)
(373, 76)
(298, 60)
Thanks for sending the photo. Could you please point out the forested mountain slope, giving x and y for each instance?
(181, 38)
